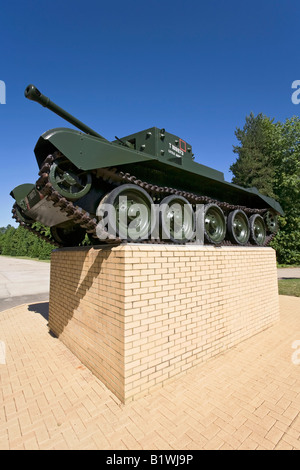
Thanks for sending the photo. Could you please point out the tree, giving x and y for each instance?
(269, 158)
(255, 163)
(287, 190)
(7, 244)
(21, 242)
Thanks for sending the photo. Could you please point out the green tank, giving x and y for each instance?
(144, 187)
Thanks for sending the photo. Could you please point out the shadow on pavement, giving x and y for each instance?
(11, 302)
(289, 278)
(42, 308)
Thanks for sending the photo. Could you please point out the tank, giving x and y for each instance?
(142, 188)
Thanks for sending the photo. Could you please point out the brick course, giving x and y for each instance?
(139, 315)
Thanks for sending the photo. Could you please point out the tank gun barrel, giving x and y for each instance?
(32, 93)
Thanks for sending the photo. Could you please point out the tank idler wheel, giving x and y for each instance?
(271, 221)
(69, 181)
(68, 236)
(19, 215)
(177, 219)
(126, 213)
(257, 229)
(238, 227)
(214, 224)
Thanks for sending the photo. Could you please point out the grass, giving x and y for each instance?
(288, 265)
(289, 287)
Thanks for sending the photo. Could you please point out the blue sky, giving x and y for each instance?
(196, 68)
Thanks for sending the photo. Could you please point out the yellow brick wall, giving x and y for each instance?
(139, 315)
(86, 309)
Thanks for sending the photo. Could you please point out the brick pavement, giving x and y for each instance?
(245, 398)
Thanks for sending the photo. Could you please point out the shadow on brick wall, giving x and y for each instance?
(73, 288)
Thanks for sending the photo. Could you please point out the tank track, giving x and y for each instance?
(119, 177)
(28, 227)
(112, 175)
(74, 213)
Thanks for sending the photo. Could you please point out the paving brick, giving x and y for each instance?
(275, 434)
(207, 407)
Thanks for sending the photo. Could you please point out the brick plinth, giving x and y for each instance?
(138, 315)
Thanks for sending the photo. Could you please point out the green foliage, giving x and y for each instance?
(258, 142)
(21, 242)
(287, 190)
(269, 158)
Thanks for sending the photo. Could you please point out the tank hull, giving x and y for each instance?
(111, 164)
(89, 153)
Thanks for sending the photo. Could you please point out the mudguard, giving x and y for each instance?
(85, 151)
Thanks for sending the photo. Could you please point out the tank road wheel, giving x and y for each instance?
(271, 221)
(69, 181)
(257, 229)
(238, 227)
(68, 236)
(214, 224)
(177, 219)
(126, 212)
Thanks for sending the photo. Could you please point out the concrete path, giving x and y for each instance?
(246, 398)
(23, 281)
(288, 273)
